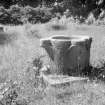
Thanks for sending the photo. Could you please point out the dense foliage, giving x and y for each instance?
(35, 11)
(20, 15)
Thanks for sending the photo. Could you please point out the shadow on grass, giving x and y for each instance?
(63, 95)
(95, 73)
(6, 38)
(56, 27)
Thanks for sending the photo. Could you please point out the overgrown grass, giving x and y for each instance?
(21, 59)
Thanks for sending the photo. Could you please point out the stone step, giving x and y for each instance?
(54, 80)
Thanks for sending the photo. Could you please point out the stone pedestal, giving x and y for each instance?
(69, 55)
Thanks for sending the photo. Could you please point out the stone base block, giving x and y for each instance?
(62, 80)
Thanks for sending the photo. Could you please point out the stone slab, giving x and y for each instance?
(54, 80)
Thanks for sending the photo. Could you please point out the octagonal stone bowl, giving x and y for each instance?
(69, 54)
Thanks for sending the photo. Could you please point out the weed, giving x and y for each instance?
(90, 19)
(10, 94)
(97, 72)
(37, 65)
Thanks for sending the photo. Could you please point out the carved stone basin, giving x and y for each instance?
(69, 54)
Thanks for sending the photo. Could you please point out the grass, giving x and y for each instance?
(83, 94)
(17, 55)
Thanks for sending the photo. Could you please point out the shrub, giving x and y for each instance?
(12, 15)
(58, 8)
(38, 15)
(102, 15)
(30, 13)
(37, 64)
(16, 14)
(4, 16)
(42, 15)
(97, 72)
(46, 14)
(91, 19)
(19, 15)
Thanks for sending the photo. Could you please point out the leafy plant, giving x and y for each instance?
(91, 19)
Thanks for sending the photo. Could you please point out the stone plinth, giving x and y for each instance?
(69, 55)
(61, 80)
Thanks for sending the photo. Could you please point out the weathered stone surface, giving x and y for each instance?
(69, 55)
(54, 80)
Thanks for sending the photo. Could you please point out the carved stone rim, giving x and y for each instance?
(69, 38)
(62, 79)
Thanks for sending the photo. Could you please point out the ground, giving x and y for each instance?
(22, 45)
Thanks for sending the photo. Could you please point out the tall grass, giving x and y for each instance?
(16, 64)
(16, 54)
